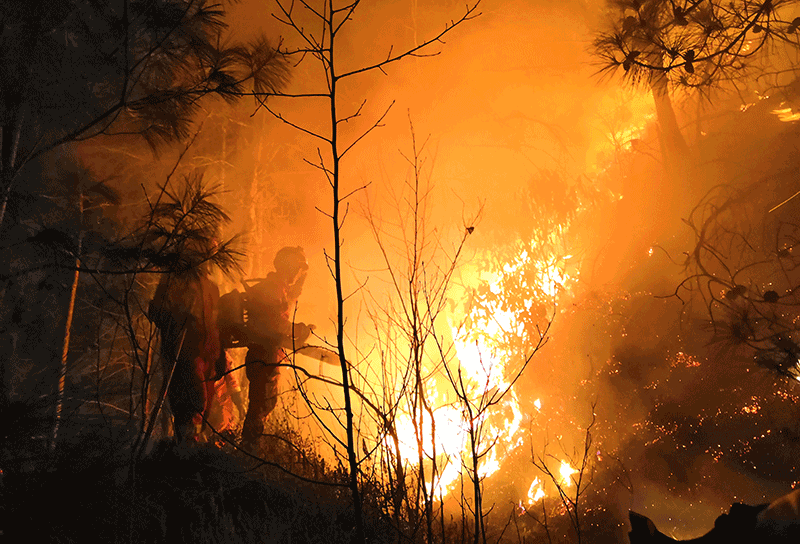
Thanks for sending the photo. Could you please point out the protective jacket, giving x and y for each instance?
(269, 328)
(184, 308)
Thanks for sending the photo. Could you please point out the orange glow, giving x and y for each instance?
(566, 471)
(486, 366)
(535, 492)
(562, 207)
(786, 115)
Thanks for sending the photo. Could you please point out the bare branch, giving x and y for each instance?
(376, 124)
(471, 13)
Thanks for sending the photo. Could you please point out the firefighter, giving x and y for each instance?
(184, 308)
(270, 330)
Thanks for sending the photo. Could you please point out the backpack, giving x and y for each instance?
(232, 320)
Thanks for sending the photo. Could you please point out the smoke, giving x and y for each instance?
(521, 134)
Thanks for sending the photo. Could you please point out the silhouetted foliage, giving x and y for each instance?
(124, 67)
(696, 43)
(745, 269)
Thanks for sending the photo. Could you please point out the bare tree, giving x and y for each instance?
(570, 483)
(420, 269)
(85, 195)
(320, 41)
(476, 401)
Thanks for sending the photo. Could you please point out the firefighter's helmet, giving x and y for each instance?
(290, 260)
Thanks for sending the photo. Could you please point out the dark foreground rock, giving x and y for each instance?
(775, 523)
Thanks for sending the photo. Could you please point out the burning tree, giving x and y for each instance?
(741, 265)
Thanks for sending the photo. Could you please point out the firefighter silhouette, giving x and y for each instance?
(184, 308)
(269, 331)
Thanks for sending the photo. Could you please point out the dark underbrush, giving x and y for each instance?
(174, 494)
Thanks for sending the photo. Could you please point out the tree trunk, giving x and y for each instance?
(8, 157)
(147, 402)
(674, 149)
(257, 266)
(9, 143)
(479, 535)
(62, 370)
(360, 536)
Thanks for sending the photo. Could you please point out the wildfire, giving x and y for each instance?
(623, 120)
(753, 407)
(535, 492)
(565, 472)
(470, 408)
(487, 339)
(786, 115)
(481, 360)
(686, 360)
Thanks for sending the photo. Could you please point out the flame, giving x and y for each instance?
(535, 492)
(566, 471)
(452, 447)
(489, 339)
(481, 360)
(482, 356)
(449, 434)
(623, 121)
(786, 114)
